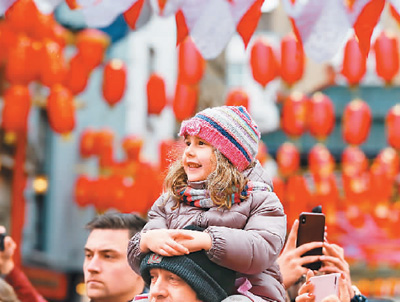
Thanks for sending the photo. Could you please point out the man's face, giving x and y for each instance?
(108, 276)
(168, 287)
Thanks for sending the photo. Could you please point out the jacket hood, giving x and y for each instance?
(258, 173)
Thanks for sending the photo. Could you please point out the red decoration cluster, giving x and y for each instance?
(32, 50)
(121, 185)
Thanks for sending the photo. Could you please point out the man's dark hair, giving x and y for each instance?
(117, 221)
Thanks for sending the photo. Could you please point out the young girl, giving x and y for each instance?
(220, 186)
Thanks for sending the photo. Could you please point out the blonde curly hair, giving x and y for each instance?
(224, 181)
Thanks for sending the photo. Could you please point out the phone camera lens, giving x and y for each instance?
(303, 220)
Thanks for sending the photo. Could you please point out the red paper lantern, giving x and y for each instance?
(61, 109)
(170, 150)
(77, 76)
(288, 159)
(60, 35)
(297, 196)
(87, 143)
(321, 116)
(19, 67)
(326, 194)
(386, 56)
(279, 189)
(355, 190)
(356, 122)
(388, 161)
(132, 146)
(83, 191)
(393, 126)
(103, 140)
(92, 44)
(321, 161)
(294, 114)
(17, 104)
(36, 64)
(292, 59)
(381, 184)
(114, 81)
(185, 101)
(237, 97)
(118, 191)
(103, 193)
(156, 96)
(354, 161)
(132, 14)
(103, 147)
(8, 39)
(142, 189)
(53, 68)
(22, 15)
(247, 25)
(354, 62)
(191, 63)
(43, 26)
(264, 65)
(139, 204)
(262, 154)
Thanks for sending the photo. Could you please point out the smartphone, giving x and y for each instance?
(325, 285)
(311, 228)
(2, 236)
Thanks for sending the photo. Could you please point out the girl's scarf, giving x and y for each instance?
(201, 198)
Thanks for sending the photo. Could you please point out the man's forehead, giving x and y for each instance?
(107, 239)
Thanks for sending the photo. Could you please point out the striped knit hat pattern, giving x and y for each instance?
(230, 129)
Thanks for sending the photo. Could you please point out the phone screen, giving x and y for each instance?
(311, 228)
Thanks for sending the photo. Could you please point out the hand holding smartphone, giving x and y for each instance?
(325, 285)
(311, 229)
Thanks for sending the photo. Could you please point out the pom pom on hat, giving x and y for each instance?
(230, 129)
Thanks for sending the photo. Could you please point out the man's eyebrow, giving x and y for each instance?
(102, 251)
(109, 251)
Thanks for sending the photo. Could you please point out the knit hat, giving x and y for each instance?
(211, 282)
(230, 129)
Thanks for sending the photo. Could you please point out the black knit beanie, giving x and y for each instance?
(211, 282)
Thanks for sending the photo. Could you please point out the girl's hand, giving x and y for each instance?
(200, 241)
(164, 242)
(290, 261)
(305, 293)
(333, 262)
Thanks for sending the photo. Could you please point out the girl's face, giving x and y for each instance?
(198, 158)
